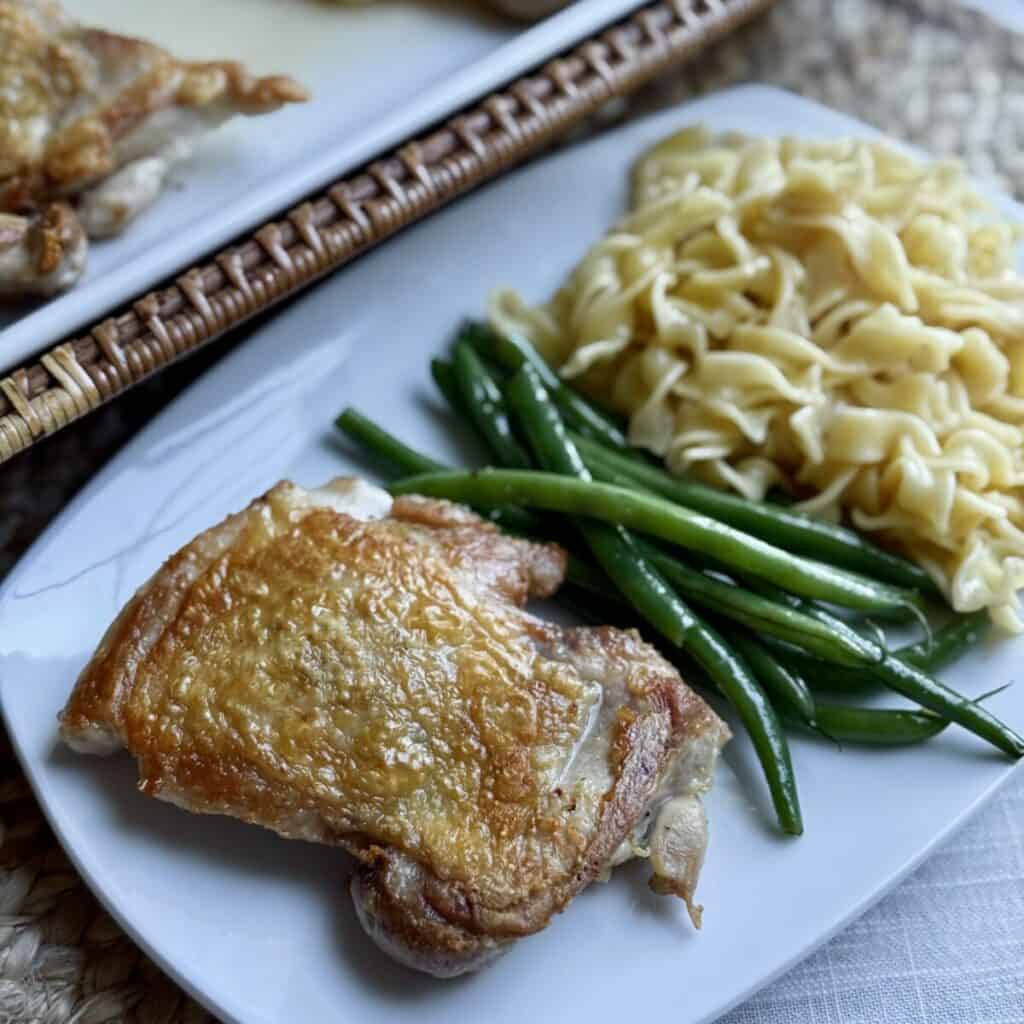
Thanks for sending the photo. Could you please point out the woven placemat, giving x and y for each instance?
(922, 70)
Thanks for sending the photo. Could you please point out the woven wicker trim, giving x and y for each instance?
(329, 229)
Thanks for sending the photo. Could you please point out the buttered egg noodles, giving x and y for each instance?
(831, 317)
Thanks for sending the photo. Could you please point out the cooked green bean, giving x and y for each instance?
(612, 546)
(842, 646)
(813, 538)
(655, 601)
(788, 691)
(822, 675)
(653, 515)
(586, 417)
(520, 521)
(908, 610)
(734, 678)
(845, 680)
(640, 583)
(509, 351)
(406, 460)
(512, 353)
(876, 726)
(542, 424)
(586, 576)
(444, 377)
(921, 688)
(905, 677)
(385, 446)
(947, 644)
(483, 402)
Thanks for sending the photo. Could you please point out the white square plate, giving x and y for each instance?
(378, 74)
(261, 929)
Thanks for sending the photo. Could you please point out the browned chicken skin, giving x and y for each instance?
(346, 670)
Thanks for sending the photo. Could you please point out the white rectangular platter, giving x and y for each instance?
(260, 929)
(378, 73)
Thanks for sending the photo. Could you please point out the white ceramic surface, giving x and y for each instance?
(378, 74)
(1009, 12)
(261, 929)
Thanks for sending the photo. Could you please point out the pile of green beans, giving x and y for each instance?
(739, 591)
(814, 538)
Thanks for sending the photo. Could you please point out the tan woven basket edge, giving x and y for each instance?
(342, 221)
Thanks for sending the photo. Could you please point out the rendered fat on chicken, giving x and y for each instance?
(90, 122)
(347, 670)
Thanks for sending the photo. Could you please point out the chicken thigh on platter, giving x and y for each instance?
(348, 669)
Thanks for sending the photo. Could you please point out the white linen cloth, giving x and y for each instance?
(945, 947)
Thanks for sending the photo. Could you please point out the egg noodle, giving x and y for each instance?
(834, 318)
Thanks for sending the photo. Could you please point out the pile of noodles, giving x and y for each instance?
(833, 318)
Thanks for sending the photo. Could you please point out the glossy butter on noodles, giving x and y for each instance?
(833, 317)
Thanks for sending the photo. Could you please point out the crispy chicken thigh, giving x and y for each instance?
(95, 120)
(350, 670)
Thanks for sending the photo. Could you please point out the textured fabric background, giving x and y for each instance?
(948, 944)
(945, 947)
